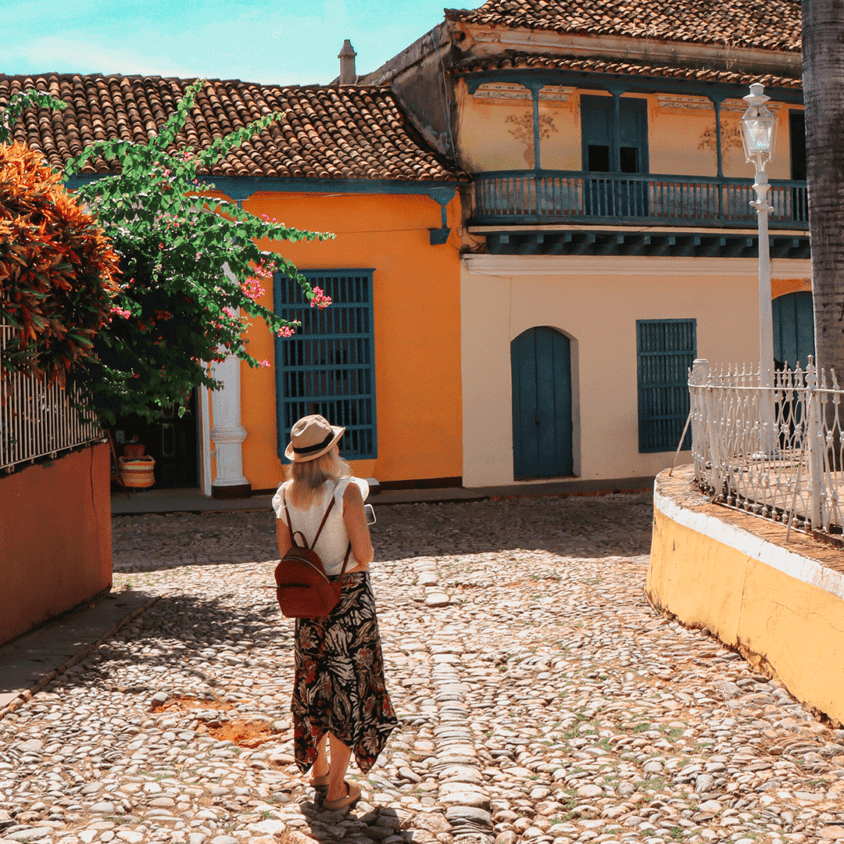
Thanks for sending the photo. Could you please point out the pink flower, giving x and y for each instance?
(319, 299)
(287, 331)
(121, 312)
(252, 288)
(263, 363)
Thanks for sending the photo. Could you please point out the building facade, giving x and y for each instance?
(384, 359)
(610, 238)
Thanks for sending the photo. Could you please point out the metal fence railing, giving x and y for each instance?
(774, 451)
(37, 420)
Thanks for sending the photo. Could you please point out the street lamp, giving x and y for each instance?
(758, 129)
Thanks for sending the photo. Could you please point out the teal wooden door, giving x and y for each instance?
(608, 148)
(540, 359)
(794, 329)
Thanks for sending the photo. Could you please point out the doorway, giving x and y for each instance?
(172, 441)
(794, 329)
(608, 148)
(540, 360)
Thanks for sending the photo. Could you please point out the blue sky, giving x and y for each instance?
(255, 40)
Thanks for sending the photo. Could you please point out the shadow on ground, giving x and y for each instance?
(593, 526)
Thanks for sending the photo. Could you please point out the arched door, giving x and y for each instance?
(542, 411)
(794, 329)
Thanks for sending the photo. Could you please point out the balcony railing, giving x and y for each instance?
(520, 196)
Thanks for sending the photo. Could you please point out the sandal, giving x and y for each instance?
(319, 783)
(344, 803)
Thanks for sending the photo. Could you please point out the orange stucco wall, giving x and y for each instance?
(416, 323)
(55, 538)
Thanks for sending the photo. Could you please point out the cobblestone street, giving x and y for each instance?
(541, 698)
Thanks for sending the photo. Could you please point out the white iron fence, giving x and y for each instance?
(37, 420)
(775, 451)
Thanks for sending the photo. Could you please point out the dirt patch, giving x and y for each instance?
(244, 733)
(241, 732)
(184, 704)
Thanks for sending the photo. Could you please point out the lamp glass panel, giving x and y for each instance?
(758, 132)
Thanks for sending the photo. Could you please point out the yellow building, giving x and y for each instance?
(384, 359)
(610, 240)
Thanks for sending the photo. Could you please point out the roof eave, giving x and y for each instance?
(486, 39)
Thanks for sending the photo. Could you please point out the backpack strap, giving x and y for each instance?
(324, 519)
(319, 529)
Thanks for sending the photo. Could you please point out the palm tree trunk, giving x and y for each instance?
(823, 95)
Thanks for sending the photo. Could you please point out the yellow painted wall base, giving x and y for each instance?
(754, 594)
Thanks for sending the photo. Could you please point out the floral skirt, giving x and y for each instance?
(339, 686)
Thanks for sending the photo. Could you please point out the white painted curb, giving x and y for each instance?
(794, 565)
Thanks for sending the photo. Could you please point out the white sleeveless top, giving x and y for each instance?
(334, 539)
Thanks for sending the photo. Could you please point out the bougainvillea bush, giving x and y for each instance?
(192, 270)
(57, 270)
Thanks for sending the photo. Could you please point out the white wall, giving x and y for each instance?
(595, 301)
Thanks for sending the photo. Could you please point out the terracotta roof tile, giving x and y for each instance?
(328, 132)
(769, 25)
(514, 59)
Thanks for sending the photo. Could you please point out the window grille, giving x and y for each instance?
(328, 365)
(666, 349)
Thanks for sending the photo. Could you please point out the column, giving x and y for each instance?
(228, 434)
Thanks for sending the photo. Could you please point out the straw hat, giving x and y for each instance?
(311, 437)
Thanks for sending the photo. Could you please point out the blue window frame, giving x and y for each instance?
(328, 365)
(666, 349)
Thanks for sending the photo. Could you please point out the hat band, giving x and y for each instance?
(310, 449)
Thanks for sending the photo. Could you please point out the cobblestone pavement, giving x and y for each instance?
(541, 698)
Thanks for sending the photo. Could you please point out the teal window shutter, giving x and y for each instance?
(666, 349)
(328, 365)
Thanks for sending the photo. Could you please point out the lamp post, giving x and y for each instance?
(758, 127)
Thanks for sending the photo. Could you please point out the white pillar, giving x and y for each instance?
(228, 434)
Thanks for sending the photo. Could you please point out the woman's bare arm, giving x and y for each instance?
(354, 518)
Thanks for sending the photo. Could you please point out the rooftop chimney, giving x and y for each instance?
(348, 74)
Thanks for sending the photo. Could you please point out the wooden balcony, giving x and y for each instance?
(563, 196)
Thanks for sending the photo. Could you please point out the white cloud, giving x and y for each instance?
(69, 55)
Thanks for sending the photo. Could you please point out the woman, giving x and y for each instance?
(339, 695)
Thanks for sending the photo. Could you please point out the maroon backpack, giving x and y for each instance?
(302, 586)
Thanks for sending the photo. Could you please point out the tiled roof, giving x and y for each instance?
(763, 24)
(514, 59)
(328, 132)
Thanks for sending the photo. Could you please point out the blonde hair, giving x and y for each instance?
(308, 476)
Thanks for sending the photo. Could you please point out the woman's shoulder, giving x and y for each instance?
(344, 484)
(278, 501)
